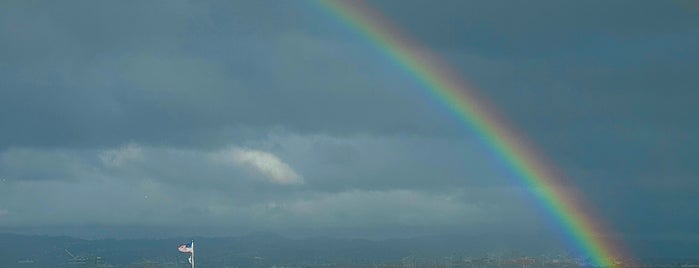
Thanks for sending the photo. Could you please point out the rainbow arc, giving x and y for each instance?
(447, 87)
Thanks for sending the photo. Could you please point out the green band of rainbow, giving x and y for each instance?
(444, 85)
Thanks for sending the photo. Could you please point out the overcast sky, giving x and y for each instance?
(275, 116)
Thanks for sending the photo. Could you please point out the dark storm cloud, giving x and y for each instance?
(95, 75)
(579, 77)
(525, 29)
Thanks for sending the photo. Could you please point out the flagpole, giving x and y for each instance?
(192, 253)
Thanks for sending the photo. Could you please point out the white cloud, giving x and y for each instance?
(268, 165)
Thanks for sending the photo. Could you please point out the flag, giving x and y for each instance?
(186, 248)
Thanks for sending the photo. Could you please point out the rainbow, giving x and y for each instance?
(446, 87)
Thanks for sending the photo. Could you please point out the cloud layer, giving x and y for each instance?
(245, 189)
(276, 116)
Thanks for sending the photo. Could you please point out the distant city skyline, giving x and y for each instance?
(269, 250)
